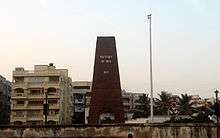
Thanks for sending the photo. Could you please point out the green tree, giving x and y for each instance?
(143, 107)
(163, 103)
(185, 105)
(195, 114)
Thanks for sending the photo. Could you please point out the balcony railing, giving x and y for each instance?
(18, 95)
(54, 106)
(35, 106)
(54, 95)
(19, 115)
(16, 118)
(53, 117)
(19, 85)
(18, 106)
(35, 117)
(37, 73)
(43, 85)
(36, 96)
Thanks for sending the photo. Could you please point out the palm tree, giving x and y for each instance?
(185, 105)
(143, 107)
(163, 103)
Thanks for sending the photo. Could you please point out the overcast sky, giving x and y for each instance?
(186, 42)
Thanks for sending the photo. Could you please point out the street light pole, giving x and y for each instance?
(46, 106)
(217, 105)
(151, 74)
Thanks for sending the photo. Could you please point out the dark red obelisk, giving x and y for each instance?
(106, 88)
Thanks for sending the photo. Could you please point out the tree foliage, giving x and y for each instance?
(185, 105)
(143, 107)
(183, 109)
(163, 103)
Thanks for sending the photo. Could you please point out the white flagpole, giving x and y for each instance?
(151, 74)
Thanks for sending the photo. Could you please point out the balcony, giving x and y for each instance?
(19, 85)
(36, 85)
(43, 96)
(18, 118)
(19, 96)
(52, 85)
(45, 85)
(53, 96)
(54, 106)
(35, 117)
(18, 107)
(53, 117)
(37, 73)
(37, 107)
(36, 96)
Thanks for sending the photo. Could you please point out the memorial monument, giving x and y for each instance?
(106, 101)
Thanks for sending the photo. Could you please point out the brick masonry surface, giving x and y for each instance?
(106, 87)
(113, 131)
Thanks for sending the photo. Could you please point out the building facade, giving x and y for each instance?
(78, 96)
(5, 95)
(130, 103)
(30, 89)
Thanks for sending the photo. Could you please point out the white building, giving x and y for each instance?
(29, 90)
(78, 96)
(130, 103)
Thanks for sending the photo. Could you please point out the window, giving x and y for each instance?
(36, 91)
(53, 112)
(18, 79)
(19, 90)
(51, 90)
(20, 102)
(78, 96)
(19, 114)
(57, 111)
(34, 113)
(37, 103)
(54, 79)
(52, 101)
(37, 79)
(81, 87)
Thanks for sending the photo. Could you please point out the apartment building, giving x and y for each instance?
(30, 89)
(130, 103)
(80, 90)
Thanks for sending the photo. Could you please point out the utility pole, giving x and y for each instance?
(151, 74)
(217, 105)
(217, 112)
